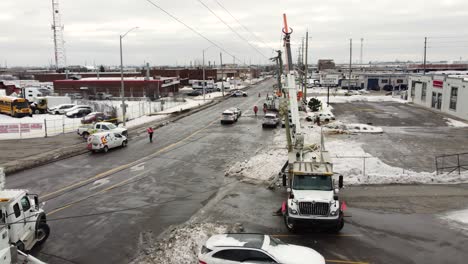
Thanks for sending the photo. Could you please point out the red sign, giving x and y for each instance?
(438, 84)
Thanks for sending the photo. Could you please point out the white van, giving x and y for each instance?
(104, 141)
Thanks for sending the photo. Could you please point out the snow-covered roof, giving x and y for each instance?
(236, 240)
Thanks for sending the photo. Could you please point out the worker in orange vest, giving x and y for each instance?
(255, 110)
(150, 133)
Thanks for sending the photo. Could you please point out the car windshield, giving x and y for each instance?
(111, 126)
(269, 117)
(228, 114)
(310, 182)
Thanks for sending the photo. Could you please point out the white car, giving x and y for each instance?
(104, 141)
(236, 111)
(228, 116)
(76, 107)
(237, 93)
(270, 120)
(324, 117)
(255, 248)
(60, 109)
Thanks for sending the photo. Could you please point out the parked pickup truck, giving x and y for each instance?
(87, 130)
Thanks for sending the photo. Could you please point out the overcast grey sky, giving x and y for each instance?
(392, 29)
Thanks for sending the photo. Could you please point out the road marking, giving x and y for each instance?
(94, 194)
(126, 166)
(345, 261)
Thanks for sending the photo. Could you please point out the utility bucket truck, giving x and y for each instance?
(23, 224)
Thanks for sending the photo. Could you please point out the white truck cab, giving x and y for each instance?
(312, 192)
(26, 221)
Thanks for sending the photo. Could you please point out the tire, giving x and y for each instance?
(20, 246)
(37, 111)
(124, 144)
(340, 224)
(263, 126)
(290, 226)
(244, 95)
(327, 120)
(42, 233)
(57, 112)
(106, 149)
(85, 135)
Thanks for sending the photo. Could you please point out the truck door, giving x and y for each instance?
(28, 214)
(15, 218)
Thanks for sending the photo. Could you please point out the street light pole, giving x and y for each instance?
(122, 85)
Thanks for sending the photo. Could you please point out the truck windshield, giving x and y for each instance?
(111, 126)
(309, 182)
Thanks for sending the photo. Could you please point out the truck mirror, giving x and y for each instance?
(340, 181)
(288, 190)
(335, 197)
(284, 179)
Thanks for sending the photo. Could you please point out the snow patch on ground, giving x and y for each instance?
(458, 219)
(360, 98)
(181, 245)
(455, 123)
(348, 160)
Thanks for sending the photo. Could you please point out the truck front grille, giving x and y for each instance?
(309, 208)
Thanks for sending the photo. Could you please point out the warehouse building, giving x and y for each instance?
(134, 87)
(383, 81)
(445, 93)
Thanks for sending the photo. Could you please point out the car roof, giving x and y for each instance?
(270, 114)
(228, 112)
(244, 240)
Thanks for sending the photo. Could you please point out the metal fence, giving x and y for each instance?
(452, 163)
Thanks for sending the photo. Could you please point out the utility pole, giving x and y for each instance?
(306, 70)
(425, 52)
(350, 61)
(222, 74)
(360, 57)
(122, 85)
(203, 75)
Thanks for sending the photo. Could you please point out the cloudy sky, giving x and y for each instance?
(392, 29)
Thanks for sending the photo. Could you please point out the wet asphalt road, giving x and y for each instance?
(98, 204)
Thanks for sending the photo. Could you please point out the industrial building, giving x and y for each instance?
(50, 77)
(134, 87)
(383, 81)
(445, 93)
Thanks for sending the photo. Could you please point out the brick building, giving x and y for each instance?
(133, 87)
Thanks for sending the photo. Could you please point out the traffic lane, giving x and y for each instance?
(51, 177)
(182, 178)
(367, 237)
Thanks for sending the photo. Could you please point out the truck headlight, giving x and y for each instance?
(293, 211)
(333, 213)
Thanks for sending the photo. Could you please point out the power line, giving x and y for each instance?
(192, 29)
(232, 29)
(253, 34)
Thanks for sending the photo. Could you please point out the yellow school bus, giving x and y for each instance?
(16, 107)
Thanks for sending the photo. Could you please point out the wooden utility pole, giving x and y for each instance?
(350, 62)
(306, 70)
(425, 50)
(222, 73)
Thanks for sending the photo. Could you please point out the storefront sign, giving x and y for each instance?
(438, 84)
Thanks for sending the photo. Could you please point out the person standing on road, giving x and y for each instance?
(150, 133)
(264, 109)
(255, 110)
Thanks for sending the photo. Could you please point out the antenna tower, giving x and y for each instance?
(59, 42)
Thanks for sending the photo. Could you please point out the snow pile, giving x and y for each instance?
(458, 219)
(455, 123)
(182, 245)
(359, 167)
(2, 179)
(261, 168)
(360, 98)
(353, 128)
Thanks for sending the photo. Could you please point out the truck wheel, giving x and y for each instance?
(106, 149)
(340, 224)
(20, 246)
(85, 135)
(37, 111)
(290, 226)
(42, 233)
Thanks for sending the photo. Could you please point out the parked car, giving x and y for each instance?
(255, 248)
(80, 112)
(324, 117)
(75, 96)
(228, 117)
(100, 96)
(270, 120)
(236, 111)
(238, 93)
(77, 107)
(60, 109)
(98, 117)
(195, 93)
(104, 141)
